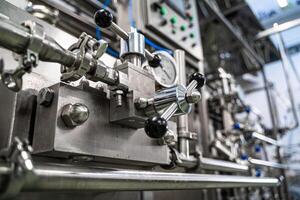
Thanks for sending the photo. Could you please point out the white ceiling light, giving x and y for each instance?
(283, 3)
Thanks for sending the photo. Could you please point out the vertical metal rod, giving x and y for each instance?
(204, 119)
(285, 63)
(124, 35)
(182, 121)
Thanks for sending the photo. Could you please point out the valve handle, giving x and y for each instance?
(156, 127)
(104, 19)
(155, 62)
(198, 78)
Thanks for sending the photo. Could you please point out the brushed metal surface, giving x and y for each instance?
(97, 137)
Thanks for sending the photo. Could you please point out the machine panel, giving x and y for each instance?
(176, 21)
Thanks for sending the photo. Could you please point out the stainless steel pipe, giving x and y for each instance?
(182, 121)
(13, 36)
(223, 166)
(59, 177)
(17, 38)
(124, 35)
(264, 163)
(265, 138)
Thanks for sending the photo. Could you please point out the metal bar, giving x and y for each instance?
(13, 36)
(65, 177)
(204, 134)
(280, 28)
(265, 138)
(285, 62)
(182, 121)
(219, 146)
(284, 53)
(73, 22)
(124, 35)
(220, 165)
(17, 38)
(264, 163)
(119, 31)
(170, 111)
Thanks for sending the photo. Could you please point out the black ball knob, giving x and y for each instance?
(103, 18)
(199, 78)
(155, 62)
(156, 127)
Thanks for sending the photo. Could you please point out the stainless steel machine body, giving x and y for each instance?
(86, 110)
(97, 137)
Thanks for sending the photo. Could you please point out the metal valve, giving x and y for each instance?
(104, 19)
(170, 102)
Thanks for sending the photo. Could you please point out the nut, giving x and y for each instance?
(46, 96)
(169, 139)
(74, 115)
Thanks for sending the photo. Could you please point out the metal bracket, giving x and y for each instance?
(12, 79)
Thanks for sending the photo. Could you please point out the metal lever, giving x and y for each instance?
(104, 19)
(157, 126)
(196, 81)
(265, 138)
(265, 163)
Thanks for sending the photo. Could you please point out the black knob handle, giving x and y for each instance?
(199, 78)
(155, 62)
(103, 18)
(156, 127)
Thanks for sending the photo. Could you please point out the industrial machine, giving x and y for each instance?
(123, 108)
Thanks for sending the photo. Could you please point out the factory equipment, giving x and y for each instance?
(174, 22)
(78, 119)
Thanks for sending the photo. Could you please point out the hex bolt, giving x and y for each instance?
(119, 97)
(46, 96)
(74, 114)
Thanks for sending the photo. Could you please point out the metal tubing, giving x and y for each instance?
(17, 38)
(220, 165)
(264, 163)
(13, 36)
(281, 27)
(182, 121)
(219, 146)
(119, 31)
(169, 112)
(59, 177)
(124, 35)
(286, 60)
(265, 138)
